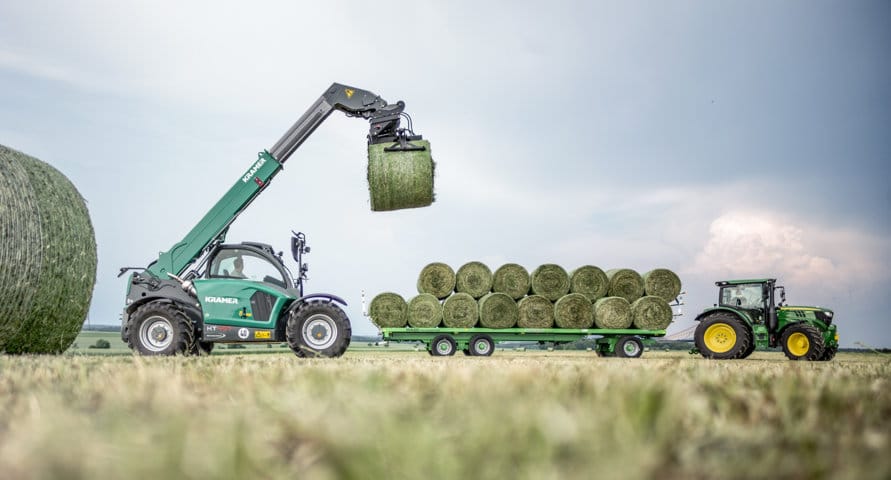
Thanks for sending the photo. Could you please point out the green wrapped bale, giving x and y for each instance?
(398, 180)
(651, 313)
(574, 311)
(590, 281)
(550, 281)
(437, 279)
(498, 310)
(460, 311)
(474, 279)
(424, 311)
(535, 312)
(662, 282)
(612, 313)
(625, 283)
(388, 310)
(511, 279)
(47, 257)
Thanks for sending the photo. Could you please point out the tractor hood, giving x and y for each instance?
(793, 312)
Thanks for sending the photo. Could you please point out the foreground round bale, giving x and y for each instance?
(651, 313)
(474, 279)
(535, 312)
(612, 313)
(511, 279)
(460, 311)
(662, 282)
(398, 180)
(388, 310)
(498, 310)
(550, 281)
(437, 279)
(625, 283)
(574, 311)
(590, 281)
(424, 311)
(47, 257)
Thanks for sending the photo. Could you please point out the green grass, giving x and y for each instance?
(408, 415)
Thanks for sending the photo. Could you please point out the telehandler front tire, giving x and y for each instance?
(318, 328)
(723, 336)
(161, 329)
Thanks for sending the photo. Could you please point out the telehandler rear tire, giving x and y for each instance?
(318, 328)
(802, 341)
(161, 329)
(723, 336)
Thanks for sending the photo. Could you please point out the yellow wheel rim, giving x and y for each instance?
(720, 338)
(798, 344)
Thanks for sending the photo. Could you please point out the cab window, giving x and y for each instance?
(749, 295)
(244, 264)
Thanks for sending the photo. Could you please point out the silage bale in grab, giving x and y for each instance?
(625, 283)
(47, 256)
(388, 310)
(498, 310)
(535, 312)
(590, 281)
(474, 279)
(398, 180)
(651, 313)
(511, 279)
(574, 311)
(662, 282)
(424, 311)
(437, 279)
(612, 313)
(550, 281)
(460, 311)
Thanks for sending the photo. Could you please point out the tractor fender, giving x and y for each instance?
(739, 314)
(189, 309)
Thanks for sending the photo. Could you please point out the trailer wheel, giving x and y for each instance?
(629, 347)
(481, 346)
(722, 336)
(443, 346)
(318, 329)
(803, 341)
(161, 329)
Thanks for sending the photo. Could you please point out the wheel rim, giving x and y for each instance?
(156, 333)
(720, 338)
(443, 347)
(319, 332)
(482, 347)
(631, 348)
(798, 344)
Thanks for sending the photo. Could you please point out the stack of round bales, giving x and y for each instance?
(47, 257)
(549, 297)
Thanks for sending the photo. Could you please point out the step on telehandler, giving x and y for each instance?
(747, 317)
(203, 291)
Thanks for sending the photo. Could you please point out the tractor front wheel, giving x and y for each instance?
(318, 329)
(723, 336)
(803, 341)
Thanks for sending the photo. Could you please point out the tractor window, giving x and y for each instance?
(236, 263)
(749, 295)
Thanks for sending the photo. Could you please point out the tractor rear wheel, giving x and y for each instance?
(723, 336)
(802, 341)
(318, 329)
(161, 329)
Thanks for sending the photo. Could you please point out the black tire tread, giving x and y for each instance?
(744, 336)
(184, 332)
(304, 311)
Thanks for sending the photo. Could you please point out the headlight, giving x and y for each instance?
(828, 314)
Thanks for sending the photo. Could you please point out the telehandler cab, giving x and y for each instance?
(747, 316)
(202, 291)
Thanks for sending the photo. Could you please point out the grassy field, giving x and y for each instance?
(385, 414)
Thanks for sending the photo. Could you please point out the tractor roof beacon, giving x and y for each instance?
(748, 316)
(203, 291)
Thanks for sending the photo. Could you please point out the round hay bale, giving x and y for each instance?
(388, 310)
(474, 279)
(47, 257)
(574, 311)
(625, 283)
(550, 281)
(662, 282)
(612, 313)
(536, 312)
(398, 180)
(437, 279)
(498, 310)
(590, 281)
(651, 313)
(424, 311)
(511, 279)
(460, 311)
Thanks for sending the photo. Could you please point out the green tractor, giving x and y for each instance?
(748, 317)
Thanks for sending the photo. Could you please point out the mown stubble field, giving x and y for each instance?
(534, 415)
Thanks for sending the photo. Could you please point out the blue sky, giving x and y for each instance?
(719, 139)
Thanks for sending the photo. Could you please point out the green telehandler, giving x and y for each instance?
(747, 316)
(203, 291)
